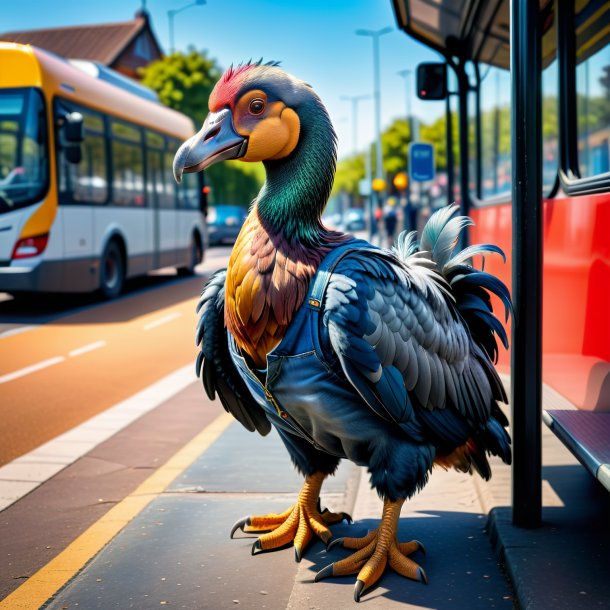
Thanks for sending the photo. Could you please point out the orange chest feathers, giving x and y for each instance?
(267, 280)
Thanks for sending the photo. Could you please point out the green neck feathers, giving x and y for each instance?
(297, 188)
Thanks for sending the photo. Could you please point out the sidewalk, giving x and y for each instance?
(176, 552)
(564, 564)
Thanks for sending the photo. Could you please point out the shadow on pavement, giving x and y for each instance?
(141, 296)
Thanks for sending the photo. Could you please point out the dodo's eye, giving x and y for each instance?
(257, 105)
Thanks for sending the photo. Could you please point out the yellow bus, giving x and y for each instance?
(87, 196)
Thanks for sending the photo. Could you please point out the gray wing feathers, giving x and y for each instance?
(379, 320)
(214, 363)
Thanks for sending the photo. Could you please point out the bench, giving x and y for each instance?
(587, 435)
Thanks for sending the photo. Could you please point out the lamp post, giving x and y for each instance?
(376, 35)
(170, 20)
(407, 216)
(354, 99)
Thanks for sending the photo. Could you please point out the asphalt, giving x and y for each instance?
(177, 552)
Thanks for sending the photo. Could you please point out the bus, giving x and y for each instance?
(87, 195)
(558, 97)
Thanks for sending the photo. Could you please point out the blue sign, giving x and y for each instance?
(421, 161)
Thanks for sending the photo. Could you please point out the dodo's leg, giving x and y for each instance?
(298, 524)
(375, 551)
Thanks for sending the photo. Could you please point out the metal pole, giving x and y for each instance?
(406, 217)
(170, 21)
(450, 162)
(377, 94)
(367, 171)
(375, 35)
(354, 99)
(463, 88)
(526, 361)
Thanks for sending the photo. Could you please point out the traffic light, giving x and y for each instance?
(401, 181)
(432, 81)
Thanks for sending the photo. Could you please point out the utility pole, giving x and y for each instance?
(407, 214)
(170, 20)
(376, 35)
(354, 99)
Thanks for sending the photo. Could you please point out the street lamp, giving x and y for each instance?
(170, 20)
(354, 99)
(376, 35)
(408, 217)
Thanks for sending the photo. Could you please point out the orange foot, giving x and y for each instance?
(298, 524)
(374, 551)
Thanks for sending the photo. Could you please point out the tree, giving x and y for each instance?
(184, 82)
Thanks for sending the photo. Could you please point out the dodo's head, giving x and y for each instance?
(258, 112)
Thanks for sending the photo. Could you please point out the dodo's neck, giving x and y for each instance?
(297, 188)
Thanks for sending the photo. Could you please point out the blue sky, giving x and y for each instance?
(314, 39)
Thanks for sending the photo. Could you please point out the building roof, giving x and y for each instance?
(103, 43)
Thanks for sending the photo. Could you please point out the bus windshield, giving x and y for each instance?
(23, 148)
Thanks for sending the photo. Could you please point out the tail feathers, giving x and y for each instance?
(497, 440)
(469, 286)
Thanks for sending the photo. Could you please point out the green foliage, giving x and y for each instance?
(184, 82)
(349, 172)
(495, 123)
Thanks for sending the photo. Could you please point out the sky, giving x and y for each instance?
(314, 39)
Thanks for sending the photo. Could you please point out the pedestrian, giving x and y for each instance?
(377, 215)
(390, 219)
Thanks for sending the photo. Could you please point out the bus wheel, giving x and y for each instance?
(112, 271)
(194, 258)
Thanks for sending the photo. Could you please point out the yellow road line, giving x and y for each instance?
(41, 586)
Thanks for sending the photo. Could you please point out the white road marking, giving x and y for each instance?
(31, 369)
(168, 318)
(19, 477)
(86, 348)
(16, 331)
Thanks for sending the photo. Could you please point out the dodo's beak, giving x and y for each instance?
(216, 141)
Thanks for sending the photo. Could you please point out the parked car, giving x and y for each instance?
(333, 221)
(353, 218)
(224, 223)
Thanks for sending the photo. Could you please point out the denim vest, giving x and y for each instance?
(299, 379)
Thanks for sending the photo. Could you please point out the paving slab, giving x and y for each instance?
(177, 553)
(564, 563)
(242, 461)
(460, 563)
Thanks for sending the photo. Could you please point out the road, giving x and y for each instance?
(65, 359)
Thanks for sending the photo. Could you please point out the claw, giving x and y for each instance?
(256, 547)
(333, 543)
(240, 525)
(420, 546)
(348, 517)
(421, 575)
(298, 554)
(324, 572)
(358, 590)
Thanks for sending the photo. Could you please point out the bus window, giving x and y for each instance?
(495, 131)
(160, 182)
(170, 186)
(127, 165)
(188, 192)
(550, 126)
(23, 148)
(593, 87)
(550, 101)
(84, 182)
(454, 113)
